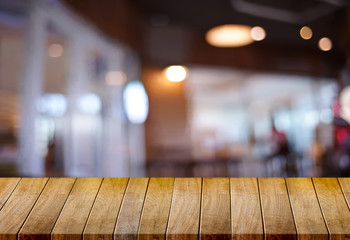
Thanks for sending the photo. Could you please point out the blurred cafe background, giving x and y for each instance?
(132, 88)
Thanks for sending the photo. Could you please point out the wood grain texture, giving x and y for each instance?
(345, 187)
(103, 218)
(184, 215)
(72, 220)
(15, 211)
(155, 213)
(334, 207)
(215, 216)
(130, 210)
(308, 217)
(42, 218)
(7, 185)
(246, 217)
(276, 209)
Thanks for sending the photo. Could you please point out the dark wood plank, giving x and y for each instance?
(130, 210)
(185, 209)
(103, 218)
(335, 210)
(215, 216)
(155, 213)
(15, 211)
(308, 217)
(276, 209)
(42, 218)
(246, 216)
(7, 185)
(72, 220)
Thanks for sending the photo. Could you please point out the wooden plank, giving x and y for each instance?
(335, 210)
(185, 209)
(276, 209)
(72, 220)
(246, 217)
(42, 218)
(130, 210)
(155, 213)
(19, 205)
(103, 218)
(308, 217)
(7, 185)
(215, 217)
(345, 187)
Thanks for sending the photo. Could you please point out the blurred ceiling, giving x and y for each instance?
(172, 32)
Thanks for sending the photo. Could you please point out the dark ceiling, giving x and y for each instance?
(161, 29)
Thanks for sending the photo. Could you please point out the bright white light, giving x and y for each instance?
(229, 35)
(89, 103)
(135, 102)
(258, 33)
(176, 73)
(55, 50)
(52, 104)
(312, 118)
(325, 44)
(115, 78)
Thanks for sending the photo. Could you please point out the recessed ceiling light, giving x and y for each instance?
(258, 33)
(229, 35)
(325, 44)
(306, 32)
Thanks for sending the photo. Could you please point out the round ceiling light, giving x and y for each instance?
(258, 33)
(325, 44)
(229, 35)
(305, 33)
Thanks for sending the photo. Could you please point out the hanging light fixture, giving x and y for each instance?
(229, 35)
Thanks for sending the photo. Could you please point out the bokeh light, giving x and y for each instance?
(115, 78)
(325, 44)
(55, 50)
(176, 73)
(229, 35)
(258, 33)
(306, 33)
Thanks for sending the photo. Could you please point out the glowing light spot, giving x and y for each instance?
(115, 78)
(55, 50)
(325, 44)
(229, 35)
(258, 33)
(135, 101)
(176, 73)
(306, 33)
(89, 103)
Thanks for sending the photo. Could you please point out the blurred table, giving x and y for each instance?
(174, 208)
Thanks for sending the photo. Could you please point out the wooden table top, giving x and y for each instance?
(174, 208)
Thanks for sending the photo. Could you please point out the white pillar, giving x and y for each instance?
(30, 160)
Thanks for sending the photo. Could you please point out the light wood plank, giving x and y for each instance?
(215, 216)
(19, 205)
(276, 209)
(101, 223)
(7, 185)
(71, 222)
(185, 209)
(155, 213)
(246, 216)
(308, 217)
(345, 187)
(42, 218)
(334, 207)
(130, 210)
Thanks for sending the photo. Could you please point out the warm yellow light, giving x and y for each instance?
(306, 32)
(115, 78)
(176, 73)
(257, 33)
(325, 44)
(55, 50)
(229, 35)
